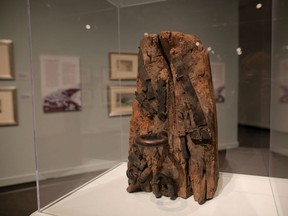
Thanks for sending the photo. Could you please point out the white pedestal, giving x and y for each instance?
(236, 195)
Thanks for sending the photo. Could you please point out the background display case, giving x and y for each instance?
(75, 65)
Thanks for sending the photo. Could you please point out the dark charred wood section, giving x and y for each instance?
(173, 128)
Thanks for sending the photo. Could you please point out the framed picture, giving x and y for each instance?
(6, 60)
(123, 66)
(8, 106)
(60, 83)
(120, 100)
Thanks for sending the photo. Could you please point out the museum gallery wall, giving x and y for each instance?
(84, 132)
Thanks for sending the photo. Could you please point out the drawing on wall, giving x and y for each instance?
(123, 66)
(120, 99)
(6, 60)
(60, 83)
(283, 78)
(8, 106)
(218, 76)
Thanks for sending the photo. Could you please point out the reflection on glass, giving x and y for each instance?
(239, 51)
(258, 6)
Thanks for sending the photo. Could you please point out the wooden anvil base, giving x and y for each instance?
(173, 128)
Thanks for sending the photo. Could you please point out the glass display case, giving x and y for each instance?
(75, 134)
(79, 42)
(75, 42)
(83, 68)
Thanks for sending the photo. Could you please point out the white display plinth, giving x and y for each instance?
(237, 194)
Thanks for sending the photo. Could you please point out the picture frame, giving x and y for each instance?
(6, 60)
(120, 100)
(123, 66)
(8, 108)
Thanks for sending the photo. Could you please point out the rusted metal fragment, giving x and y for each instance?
(161, 97)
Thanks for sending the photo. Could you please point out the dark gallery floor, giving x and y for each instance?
(251, 157)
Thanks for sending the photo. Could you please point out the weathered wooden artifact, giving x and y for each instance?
(173, 128)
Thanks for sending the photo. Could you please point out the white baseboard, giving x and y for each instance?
(263, 125)
(279, 150)
(89, 166)
(228, 145)
(19, 179)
